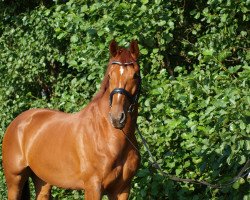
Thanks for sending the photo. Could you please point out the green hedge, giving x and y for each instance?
(195, 101)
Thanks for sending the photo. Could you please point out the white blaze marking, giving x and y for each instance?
(119, 96)
(121, 70)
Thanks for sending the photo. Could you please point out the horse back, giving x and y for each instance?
(27, 120)
(24, 126)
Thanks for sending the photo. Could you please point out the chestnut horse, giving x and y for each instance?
(93, 150)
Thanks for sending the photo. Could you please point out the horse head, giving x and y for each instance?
(124, 82)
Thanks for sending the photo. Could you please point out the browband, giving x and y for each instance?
(120, 63)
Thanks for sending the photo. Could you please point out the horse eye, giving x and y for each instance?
(136, 76)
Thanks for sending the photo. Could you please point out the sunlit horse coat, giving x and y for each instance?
(87, 150)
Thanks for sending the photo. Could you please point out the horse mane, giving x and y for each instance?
(103, 87)
(123, 56)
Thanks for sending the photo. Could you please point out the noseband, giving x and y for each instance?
(133, 99)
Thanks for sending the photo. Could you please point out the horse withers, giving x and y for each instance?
(93, 150)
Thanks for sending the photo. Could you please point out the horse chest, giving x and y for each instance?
(123, 171)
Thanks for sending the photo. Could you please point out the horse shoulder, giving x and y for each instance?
(131, 164)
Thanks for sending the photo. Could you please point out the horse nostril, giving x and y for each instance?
(123, 117)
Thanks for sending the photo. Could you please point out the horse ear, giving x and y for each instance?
(113, 48)
(134, 49)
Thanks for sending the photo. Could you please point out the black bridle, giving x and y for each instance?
(133, 99)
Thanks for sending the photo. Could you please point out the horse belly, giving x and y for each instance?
(56, 169)
(59, 177)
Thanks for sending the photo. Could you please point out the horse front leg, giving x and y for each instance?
(92, 195)
(43, 189)
(93, 190)
(122, 195)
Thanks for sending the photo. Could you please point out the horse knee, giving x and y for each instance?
(17, 187)
(43, 196)
(43, 192)
(14, 193)
(93, 190)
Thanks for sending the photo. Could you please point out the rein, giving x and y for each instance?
(245, 170)
(133, 99)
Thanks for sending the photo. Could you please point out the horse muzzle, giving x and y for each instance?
(118, 120)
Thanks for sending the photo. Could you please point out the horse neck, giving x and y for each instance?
(102, 109)
(97, 112)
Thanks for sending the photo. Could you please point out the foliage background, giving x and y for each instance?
(195, 97)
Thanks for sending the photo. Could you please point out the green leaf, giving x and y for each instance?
(224, 17)
(144, 51)
(248, 55)
(74, 38)
(236, 185)
(84, 8)
(147, 102)
(223, 55)
(178, 171)
(208, 52)
(144, 1)
(242, 159)
(72, 62)
(234, 69)
(242, 125)
(162, 23)
(61, 35)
